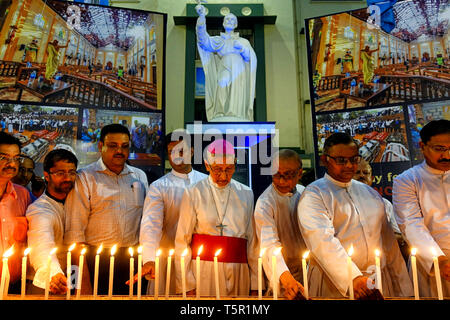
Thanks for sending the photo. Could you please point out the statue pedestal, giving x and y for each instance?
(254, 143)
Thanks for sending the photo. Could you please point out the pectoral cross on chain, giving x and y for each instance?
(221, 226)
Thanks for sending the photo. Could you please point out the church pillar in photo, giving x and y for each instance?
(7, 25)
(146, 55)
(431, 49)
(331, 48)
(361, 45)
(12, 46)
(115, 60)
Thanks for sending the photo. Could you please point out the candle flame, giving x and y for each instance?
(277, 251)
(8, 252)
(350, 251)
(377, 252)
(305, 255)
(199, 251)
(414, 251)
(261, 252)
(218, 252)
(433, 251)
(53, 251)
(171, 251)
(158, 253)
(26, 252)
(99, 250)
(113, 249)
(131, 251)
(83, 251)
(184, 252)
(139, 250)
(72, 246)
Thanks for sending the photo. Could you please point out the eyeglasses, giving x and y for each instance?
(228, 171)
(4, 158)
(62, 174)
(438, 148)
(343, 160)
(116, 147)
(286, 176)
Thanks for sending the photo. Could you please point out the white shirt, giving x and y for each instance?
(161, 211)
(276, 223)
(333, 216)
(421, 198)
(45, 231)
(198, 215)
(105, 207)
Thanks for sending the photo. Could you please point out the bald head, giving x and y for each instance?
(287, 155)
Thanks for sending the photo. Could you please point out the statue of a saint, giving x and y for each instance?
(229, 63)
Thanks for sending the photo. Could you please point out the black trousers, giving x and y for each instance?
(121, 271)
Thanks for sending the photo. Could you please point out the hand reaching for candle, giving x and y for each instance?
(444, 266)
(292, 288)
(363, 292)
(58, 284)
(148, 270)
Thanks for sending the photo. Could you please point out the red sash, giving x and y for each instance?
(234, 250)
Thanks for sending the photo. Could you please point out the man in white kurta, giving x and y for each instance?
(162, 209)
(217, 212)
(46, 217)
(335, 213)
(276, 223)
(421, 197)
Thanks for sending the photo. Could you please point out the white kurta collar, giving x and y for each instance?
(100, 166)
(338, 183)
(185, 176)
(433, 170)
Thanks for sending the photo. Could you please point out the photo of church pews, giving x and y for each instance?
(109, 58)
(357, 64)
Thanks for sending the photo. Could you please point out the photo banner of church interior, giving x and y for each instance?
(82, 54)
(41, 128)
(380, 87)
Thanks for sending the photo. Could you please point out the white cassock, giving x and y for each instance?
(276, 224)
(198, 215)
(46, 231)
(333, 216)
(421, 198)
(160, 219)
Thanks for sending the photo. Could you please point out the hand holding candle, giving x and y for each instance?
(24, 272)
(111, 271)
(414, 271)
(350, 273)
(97, 262)
(158, 253)
(183, 273)
(305, 274)
(80, 273)
(69, 270)
(169, 265)
(197, 265)
(261, 254)
(216, 273)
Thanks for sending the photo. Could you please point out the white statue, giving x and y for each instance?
(229, 63)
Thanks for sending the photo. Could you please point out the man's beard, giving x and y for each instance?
(64, 187)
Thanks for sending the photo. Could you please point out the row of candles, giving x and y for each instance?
(4, 284)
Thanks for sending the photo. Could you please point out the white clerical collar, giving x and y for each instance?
(433, 170)
(288, 194)
(216, 185)
(183, 175)
(338, 183)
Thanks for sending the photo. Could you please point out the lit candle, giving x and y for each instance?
(158, 253)
(216, 273)
(261, 253)
(305, 274)
(169, 265)
(274, 273)
(197, 265)
(378, 270)
(49, 273)
(97, 263)
(414, 271)
(139, 285)
(350, 273)
(183, 273)
(69, 270)
(131, 282)
(111, 271)
(80, 273)
(437, 274)
(24, 272)
(5, 272)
